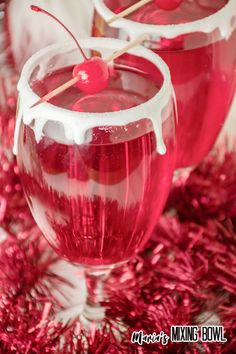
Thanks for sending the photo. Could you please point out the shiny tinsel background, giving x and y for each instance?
(185, 276)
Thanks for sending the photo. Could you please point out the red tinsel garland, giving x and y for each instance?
(185, 276)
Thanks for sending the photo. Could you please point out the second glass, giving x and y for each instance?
(197, 41)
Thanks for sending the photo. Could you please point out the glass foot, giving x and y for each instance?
(92, 316)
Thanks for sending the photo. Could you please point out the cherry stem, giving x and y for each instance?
(39, 9)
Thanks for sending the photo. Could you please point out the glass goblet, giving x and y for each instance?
(96, 169)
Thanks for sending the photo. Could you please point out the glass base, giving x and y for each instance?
(93, 312)
(92, 316)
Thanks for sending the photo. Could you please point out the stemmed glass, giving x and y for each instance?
(197, 41)
(96, 169)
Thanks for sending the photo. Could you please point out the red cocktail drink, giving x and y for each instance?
(97, 195)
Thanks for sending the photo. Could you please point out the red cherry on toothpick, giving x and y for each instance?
(168, 4)
(92, 73)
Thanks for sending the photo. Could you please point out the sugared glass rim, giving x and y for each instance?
(221, 19)
(91, 43)
(80, 122)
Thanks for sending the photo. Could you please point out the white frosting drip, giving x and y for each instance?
(77, 124)
(223, 20)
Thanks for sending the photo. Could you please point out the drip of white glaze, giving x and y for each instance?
(77, 124)
(223, 20)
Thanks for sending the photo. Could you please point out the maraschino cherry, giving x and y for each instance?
(168, 4)
(92, 73)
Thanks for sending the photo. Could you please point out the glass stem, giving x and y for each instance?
(95, 281)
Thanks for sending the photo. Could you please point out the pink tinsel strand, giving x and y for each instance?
(210, 191)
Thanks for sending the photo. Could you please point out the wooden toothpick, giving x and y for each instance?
(128, 11)
(132, 44)
(56, 91)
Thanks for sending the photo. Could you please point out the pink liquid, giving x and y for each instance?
(98, 203)
(203, 72)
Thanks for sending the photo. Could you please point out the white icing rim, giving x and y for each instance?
(76, 124)
(224, 20)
